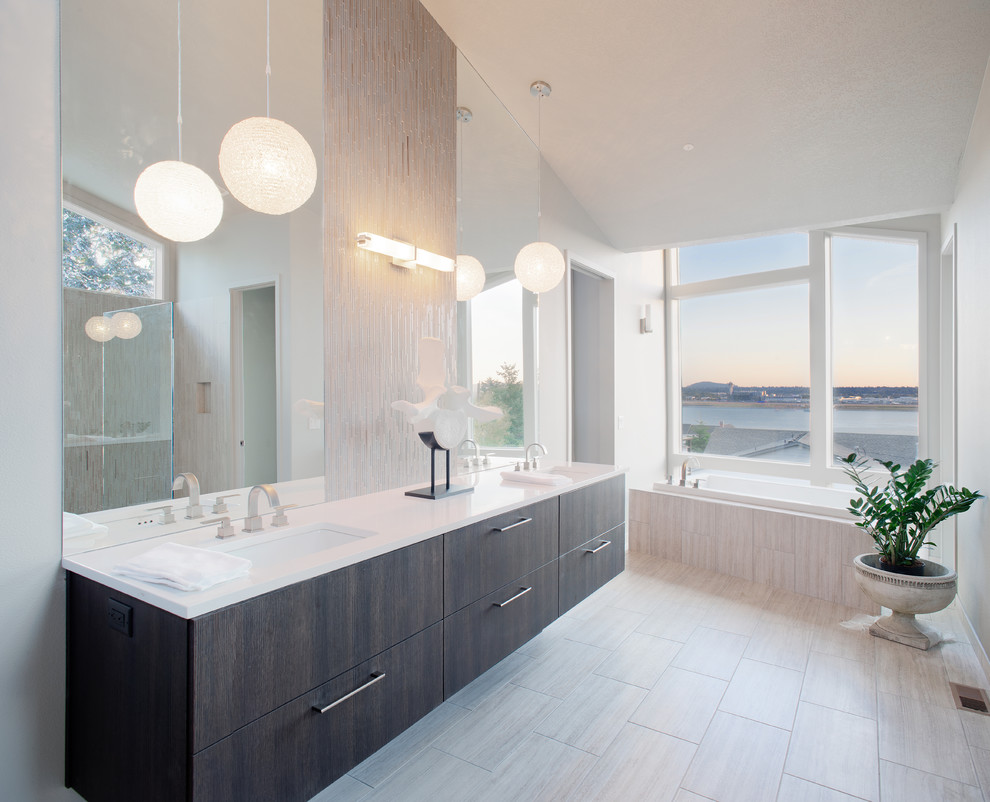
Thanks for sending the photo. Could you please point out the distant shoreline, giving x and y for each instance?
(779, 405)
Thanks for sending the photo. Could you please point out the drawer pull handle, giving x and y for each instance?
(604, 544)
(507, 602)
(378, 675)
(520, 522)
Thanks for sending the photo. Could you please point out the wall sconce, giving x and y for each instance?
(404, 254)
(435, 261)
(646, 319)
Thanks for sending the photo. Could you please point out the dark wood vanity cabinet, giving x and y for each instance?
(227, 705)
(481, 634)
(585, 569)
(295, 751)
(176, 709)
(592, 539)
(484, 556)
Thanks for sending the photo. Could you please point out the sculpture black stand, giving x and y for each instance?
(432, 492)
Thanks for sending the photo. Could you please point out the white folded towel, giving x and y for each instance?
(184, 567)
(77, 526)
(536, 477)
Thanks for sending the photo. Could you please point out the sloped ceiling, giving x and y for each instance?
(799, 113)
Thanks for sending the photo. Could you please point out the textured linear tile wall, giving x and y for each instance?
(390, 169)
(806, 554)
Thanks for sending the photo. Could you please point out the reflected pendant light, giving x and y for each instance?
(99, 328)
(470, 271)
(266, 163)
(540, 265)
(126, 325)
(177, 200)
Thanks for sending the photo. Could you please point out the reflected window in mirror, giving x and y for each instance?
(502, 365)
(100, 255)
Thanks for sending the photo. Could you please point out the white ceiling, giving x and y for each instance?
(801, 113)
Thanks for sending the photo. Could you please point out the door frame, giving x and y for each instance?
(237, 378)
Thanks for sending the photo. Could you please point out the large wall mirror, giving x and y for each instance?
(225, 377)
(496, 216)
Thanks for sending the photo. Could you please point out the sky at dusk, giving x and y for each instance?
(760, 337)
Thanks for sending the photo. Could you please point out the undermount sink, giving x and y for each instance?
(277, 547)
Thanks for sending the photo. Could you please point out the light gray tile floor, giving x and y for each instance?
(638, 693)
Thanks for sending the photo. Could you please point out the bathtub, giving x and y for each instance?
(766, 491)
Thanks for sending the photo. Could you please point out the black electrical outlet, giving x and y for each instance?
(119, 616)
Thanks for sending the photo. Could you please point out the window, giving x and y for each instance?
(500, 342)
(786, 362)
(497, 363)
(101, 256)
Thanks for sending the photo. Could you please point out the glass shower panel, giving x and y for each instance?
(137, 408)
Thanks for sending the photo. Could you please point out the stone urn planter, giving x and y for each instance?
(906, 596)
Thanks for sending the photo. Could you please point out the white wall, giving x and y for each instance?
(971, 212)
(639, 361)
(32, 600)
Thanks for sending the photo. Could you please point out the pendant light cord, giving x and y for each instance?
(460, 185)
(178, 35)
(268, 58)
(539, 166)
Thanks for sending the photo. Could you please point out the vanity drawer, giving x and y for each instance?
(295, 751)
(588, 512)
(249, 658)
(480, 635)
(585, 569)
(479, 558)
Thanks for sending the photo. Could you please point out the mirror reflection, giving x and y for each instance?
(496, 216)
(196, 357)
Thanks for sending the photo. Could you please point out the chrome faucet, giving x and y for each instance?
(253, 522)
(477, 451)
(686, 466)
(195, 509)
(534, 464)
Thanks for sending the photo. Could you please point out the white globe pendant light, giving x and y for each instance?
(266, 163)
(126, 325)
(470, 277)
(177, 200)
(540, 265)
(99, 328)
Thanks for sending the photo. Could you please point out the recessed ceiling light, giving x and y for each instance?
(689, 146)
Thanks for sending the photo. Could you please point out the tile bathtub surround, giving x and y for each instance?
(638, 694)
(803, 553)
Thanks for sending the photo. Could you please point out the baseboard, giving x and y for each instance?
(981, 653)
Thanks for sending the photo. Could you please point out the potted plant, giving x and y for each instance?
(900, 516)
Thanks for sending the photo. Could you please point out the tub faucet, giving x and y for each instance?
(253, 522)
(195, 509)
(534, 463)
(477, 451)
(686, 466)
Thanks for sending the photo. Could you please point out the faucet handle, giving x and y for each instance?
(168, 516)
(279, 519)
(219, 505)
(225, 529)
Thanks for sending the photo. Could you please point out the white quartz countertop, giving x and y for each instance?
(386, 521)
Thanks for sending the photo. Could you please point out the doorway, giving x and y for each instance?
(592, 365)
(254, 383)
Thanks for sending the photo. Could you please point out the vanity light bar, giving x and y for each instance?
(404, 254)
(434, 260)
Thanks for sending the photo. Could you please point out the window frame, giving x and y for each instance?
(130, 225)
(816, 275)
